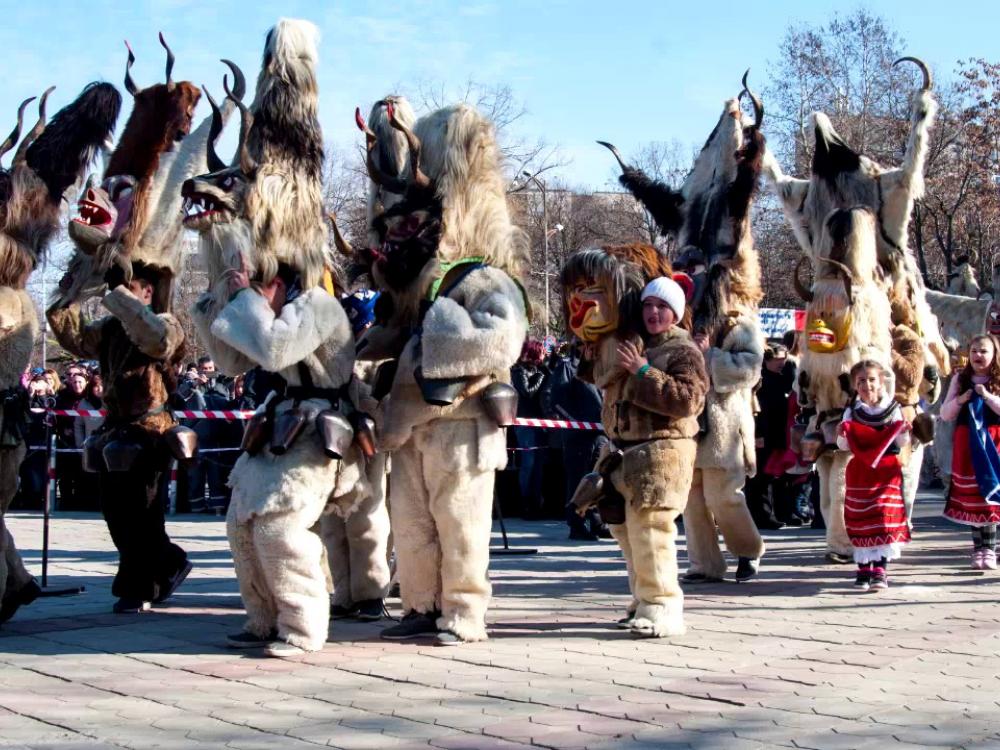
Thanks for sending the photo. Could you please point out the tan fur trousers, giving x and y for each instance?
(13, 575)
(832, 486)
(648, 539)
(717, 501)
(356, 547)
(278, 566)
(441, 519)
(911, 477)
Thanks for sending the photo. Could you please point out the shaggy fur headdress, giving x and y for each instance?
(50, 159)
(285, 148)
(711, 212)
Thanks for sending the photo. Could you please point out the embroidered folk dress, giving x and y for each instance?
(966, 504)
(874, 511)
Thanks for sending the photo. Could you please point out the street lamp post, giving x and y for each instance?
(545, 243)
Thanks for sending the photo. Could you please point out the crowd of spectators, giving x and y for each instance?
(545, 466)
(201, 488)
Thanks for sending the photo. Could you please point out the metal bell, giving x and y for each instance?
(182, 442)
(287, 427)
(588, 492)
(335, 433)
(255, 434)
(92, 458)
(923, 428)
(500, 402)
(121, 455)
(439, 391)
(364, 433)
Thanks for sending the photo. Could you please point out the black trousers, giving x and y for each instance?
(147, 559)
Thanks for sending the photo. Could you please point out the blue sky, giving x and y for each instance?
(629, 72)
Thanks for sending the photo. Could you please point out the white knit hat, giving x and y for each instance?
(669, 291)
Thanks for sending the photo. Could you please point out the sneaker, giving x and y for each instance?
(174, 583)
(369, 610)
(626, 622)
(977, 559)
(746, 569)
(413, 625)
(864, 579)
(249, 640)
(282, 649)
(989, 559)
(695, 577)
(340, 612)
(17, 599)
(578, 535)
(879, 580)
(448, 638)
(131, 606)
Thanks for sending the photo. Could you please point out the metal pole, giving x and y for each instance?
(45, 305)
(50, 491)
(545, 243)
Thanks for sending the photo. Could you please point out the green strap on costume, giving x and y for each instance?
(435, 288)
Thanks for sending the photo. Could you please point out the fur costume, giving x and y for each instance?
(650, 417)
(45, 165)
(847, 319)
(844, 179)
(962, 279)
(260, 213)
(447, 263)
(711, 214)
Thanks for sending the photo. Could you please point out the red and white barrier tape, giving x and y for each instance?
(551, 424)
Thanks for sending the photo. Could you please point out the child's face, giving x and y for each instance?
(657, 315)
(981, 356)
(870, 385)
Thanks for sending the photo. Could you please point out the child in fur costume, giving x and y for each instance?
(973, 402)
(874, 430)
(651, 405)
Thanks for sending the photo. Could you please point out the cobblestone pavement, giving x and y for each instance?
(794, 659)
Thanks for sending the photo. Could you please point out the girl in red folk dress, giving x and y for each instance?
(873, 431)
(973, 401)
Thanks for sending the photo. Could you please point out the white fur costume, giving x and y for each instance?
(726, 454)
(444, 458)
(357, 546)
(278, 499)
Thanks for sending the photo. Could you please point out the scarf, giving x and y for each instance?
(985, 458)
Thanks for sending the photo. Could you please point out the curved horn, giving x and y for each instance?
(129, 83)
(800, 288)
(239, 80)
(846, 274)
(338, 239)
(170, 63)
(928, 78)
(617, 154)
(376, 175)
(215, 164)
(22, 150)
(418, 177)
(248, 165)
(758, 107)
(8, 144)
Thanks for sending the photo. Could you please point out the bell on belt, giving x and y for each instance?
(92, 459)
(588, 492)
(439, 391)
(335, 433)
(500, 402)
(121, 455)
(812, 446)
(923, 428)
(287, 427)
(182, 442)
(255, 434)
(364, 433)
